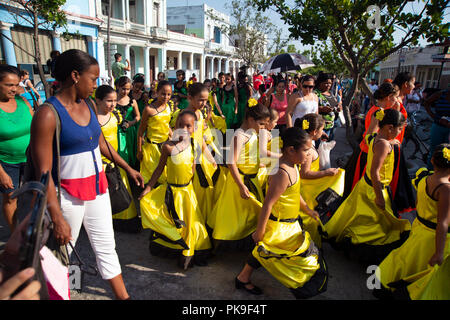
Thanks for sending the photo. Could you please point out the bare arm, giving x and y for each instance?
(236, 100)
(137, 114)
(443, 221)
(166, 150)
(141, 131)
(236, 146)
(43, 128)
(306, 173)
(430, 101)
(380, 151)
(292, 103)
(278, 183)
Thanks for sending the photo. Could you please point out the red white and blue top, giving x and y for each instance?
(81, 170)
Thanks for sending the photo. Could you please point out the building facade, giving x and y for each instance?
(419, 62)
(17, 46)
(208, 24)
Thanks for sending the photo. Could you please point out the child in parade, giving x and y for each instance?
(180, 89)
(234, 216)
(171, 210)
(366, 222)
(129, 110)
(285, 250)
(314, 181)
(155, 126)
(110, 120)
(429, 242)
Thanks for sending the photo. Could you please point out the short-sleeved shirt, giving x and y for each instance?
(118, 69)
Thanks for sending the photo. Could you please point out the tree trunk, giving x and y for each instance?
(348, 119)
(38, 55)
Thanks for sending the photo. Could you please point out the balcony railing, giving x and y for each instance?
(159, 33)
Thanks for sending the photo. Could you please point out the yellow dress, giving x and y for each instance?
(433, 283)
(171, 210)
(404, 264)
(234, 218)
(310, 189)
(359, 222)
(287, 252)
(268, 164)
(157, 133)
(110, 132)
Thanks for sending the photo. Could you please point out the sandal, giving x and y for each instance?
(242, 285)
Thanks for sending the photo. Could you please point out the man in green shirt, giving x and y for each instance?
(118, 68)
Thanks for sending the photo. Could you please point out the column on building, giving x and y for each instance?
(211, 67)
(202, 68)
(180, 60)
(147, 66)
(8, 46)
(92, 46)
(127, 55)
(101, 56)
(191, 61)
(227, 65)
(56, 41)
(162, 59)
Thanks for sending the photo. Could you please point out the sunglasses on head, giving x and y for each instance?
(307, 87)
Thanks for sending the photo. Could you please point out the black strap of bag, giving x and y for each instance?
(118, 194)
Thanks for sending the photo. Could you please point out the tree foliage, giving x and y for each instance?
(359, 42)
(248, 31)
(38, 14)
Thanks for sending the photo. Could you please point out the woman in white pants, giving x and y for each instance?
(84, 188)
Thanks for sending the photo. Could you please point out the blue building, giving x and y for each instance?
(82, 28)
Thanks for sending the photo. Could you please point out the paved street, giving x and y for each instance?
(155, 278)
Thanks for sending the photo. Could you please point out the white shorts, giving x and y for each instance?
(96, 217)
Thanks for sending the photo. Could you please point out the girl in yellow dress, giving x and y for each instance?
(110, 119)
(235, 213)
(314, 181)
(366, 222)
(285, 250)
(429, 242)
(155, 126)
(171, 210)
(270, 148)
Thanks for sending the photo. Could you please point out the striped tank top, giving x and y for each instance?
(81, 170)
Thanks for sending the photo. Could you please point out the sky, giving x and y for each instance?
(415, 6)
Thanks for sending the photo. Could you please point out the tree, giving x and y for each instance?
(248, 31)
(278, 43)
(326, 59)
(39, 14)
(361, 31)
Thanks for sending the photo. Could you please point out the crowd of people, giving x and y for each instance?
(264, 190)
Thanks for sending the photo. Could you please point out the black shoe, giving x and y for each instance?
(242, 285)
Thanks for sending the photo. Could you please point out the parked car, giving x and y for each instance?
(40, 88)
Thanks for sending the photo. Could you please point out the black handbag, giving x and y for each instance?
(118, 193)
(328, 201)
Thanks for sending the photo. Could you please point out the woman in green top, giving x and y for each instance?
(15, 121)
(180, 89)
(244, 93)
(129, 110)
(229, 103)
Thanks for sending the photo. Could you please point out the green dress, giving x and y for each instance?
(227, 106)
(219, 95)
(184, 103)
(242, 103)
(128, 138)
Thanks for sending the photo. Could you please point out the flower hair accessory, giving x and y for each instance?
(305, 124)
(446, 153)
(380, 115)
(252, 102)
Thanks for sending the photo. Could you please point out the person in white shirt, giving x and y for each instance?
(413, 100)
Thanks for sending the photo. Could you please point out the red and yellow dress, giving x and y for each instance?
(410, 262)
(360, 223)
(287, 252)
